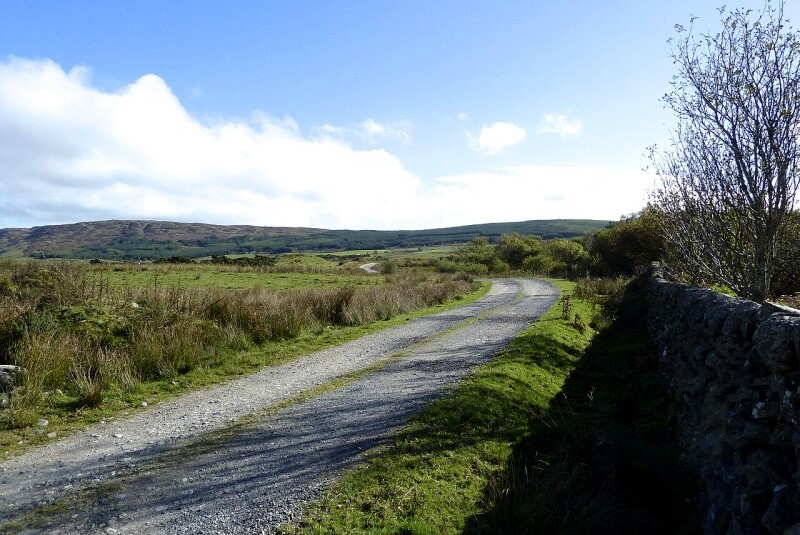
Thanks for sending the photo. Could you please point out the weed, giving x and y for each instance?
(566, 307)
(578, 323)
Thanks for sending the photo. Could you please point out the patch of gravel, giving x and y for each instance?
(261, 475)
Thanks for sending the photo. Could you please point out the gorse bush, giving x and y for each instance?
(517, 254)
(69, 331)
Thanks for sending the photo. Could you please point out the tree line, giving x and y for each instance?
(723, 213)
(625, 247)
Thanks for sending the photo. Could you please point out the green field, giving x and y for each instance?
(95, 340)
(228, 278)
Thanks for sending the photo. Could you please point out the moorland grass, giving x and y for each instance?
(298, 271)
(89, 350)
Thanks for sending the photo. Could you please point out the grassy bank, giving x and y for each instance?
(603, 458)
(564, 432)
(433, 479)
(91, 350)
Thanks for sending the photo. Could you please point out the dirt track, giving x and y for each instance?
(165, 471)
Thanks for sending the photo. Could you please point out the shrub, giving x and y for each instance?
(388, 267)
(606, 293)
(598, 290)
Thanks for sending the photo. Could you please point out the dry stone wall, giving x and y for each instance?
(733, 368)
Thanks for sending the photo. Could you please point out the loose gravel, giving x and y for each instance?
(258, 476)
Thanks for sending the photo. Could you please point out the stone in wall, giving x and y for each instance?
(733, 368)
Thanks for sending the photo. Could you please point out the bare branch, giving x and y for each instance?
(730, 178)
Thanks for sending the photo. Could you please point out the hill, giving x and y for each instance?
(137, 240)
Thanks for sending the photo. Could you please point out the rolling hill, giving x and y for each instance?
(138, 240)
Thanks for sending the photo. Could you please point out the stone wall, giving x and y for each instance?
(734, 372)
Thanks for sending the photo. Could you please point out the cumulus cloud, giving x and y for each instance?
(558, 124)
(498, 136)
(137, 153)
(72, 152)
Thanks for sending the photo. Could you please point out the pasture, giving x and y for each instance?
(206, 275)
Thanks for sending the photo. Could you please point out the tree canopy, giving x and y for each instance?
(730, 177)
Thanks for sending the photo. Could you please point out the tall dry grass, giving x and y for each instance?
(68, 330)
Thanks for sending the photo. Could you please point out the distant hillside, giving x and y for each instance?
(137, 240)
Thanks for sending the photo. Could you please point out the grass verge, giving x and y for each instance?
(603, 458)
(566, 431)
(432, 480)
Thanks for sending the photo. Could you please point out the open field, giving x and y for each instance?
(231, 277)
(97, 340)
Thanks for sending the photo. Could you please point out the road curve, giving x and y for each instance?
(369, 268)
(258, 476)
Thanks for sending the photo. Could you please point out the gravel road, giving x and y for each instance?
(163, 471)
(369, 268)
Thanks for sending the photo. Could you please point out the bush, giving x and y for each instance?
(388, 267)
(606, 293)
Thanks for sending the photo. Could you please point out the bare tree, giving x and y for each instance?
(730, 178)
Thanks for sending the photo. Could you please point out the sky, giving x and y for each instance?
(368, 114)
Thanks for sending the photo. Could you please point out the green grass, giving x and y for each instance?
(59, 408)
(565, 432)
(603, 458)
(432, 479)
(231, 278)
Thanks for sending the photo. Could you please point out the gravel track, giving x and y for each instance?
(258, 476)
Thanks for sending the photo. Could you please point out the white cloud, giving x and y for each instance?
(370, 131)
(71, 152)
(67, 147)
(498, 136)
(558, 124)
(538, 192)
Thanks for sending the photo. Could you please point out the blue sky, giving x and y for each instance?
(360, 114)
